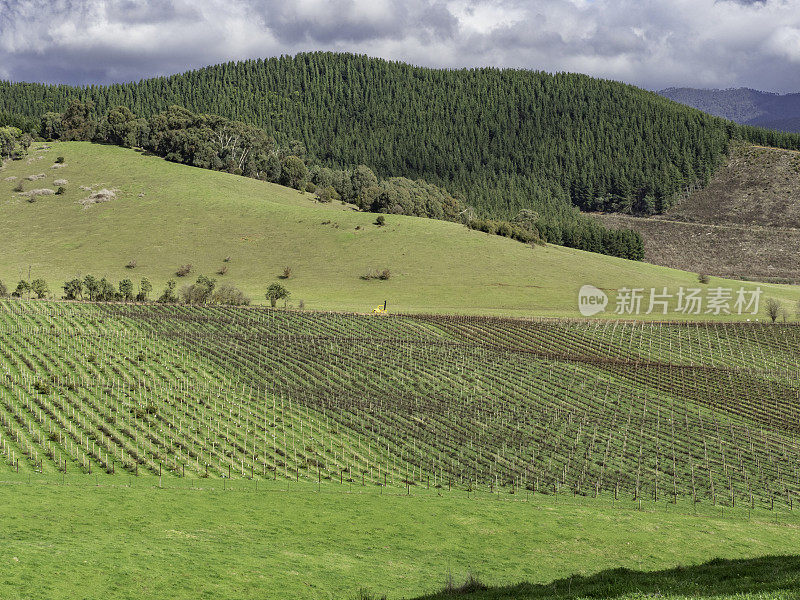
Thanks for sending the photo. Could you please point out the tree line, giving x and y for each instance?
(93, 289)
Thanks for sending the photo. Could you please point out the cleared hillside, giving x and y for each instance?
(746, 223)
(165, 215)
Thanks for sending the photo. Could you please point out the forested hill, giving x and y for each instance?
(504, 140)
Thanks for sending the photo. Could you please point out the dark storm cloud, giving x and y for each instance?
(708, 43)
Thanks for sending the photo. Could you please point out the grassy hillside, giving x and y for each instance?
(166, 215)
(746, 223)
(82, 540)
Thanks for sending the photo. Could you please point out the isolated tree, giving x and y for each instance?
(773, 307)
(276, 292)
(126, 290)
(39, 287)
(3, 290)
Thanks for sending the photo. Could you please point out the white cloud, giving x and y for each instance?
(652, 43)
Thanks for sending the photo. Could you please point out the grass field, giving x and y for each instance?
(166, 215)
(83, 540)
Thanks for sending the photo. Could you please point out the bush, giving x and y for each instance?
(287, 273)
(383, 274)
(310, 187)
(229, 295)
(199, 292)
(60, 160)
(131, 265)
(183, 270)
(3, 290)
(61, 190)
(703, 278)
(222, 270)
(380, 221)
(19, 187)
(22, 288)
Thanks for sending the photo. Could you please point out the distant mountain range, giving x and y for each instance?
(743, 105)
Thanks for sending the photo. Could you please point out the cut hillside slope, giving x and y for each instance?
(745, 224)
(164, 215)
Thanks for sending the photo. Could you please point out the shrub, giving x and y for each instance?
(183, 270)
(229, 295)
(61, 190)
(276, 292)
(59, 160)
(222, 270)
(19, 187)
(131, 265)
(287, 273)
(310, 187)
(199, 292)
(3, 290)
(22, 288)
(380, 221)
(226, 259)
(301, 305)
(703, 278)
(383, 274)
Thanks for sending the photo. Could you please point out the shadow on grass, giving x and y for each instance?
(720, 578)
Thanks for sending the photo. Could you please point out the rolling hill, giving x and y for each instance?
(166, 215)
(743, 105)
(745, 223)
(501, 139)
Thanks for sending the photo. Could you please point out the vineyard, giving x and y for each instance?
(708, 411)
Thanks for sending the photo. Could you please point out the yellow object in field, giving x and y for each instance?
(380, 310)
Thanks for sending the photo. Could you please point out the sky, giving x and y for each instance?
(653, 44)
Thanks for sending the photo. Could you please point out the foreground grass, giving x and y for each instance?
(166, 215)
(94, 538)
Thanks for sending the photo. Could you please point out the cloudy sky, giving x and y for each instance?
(655, 44)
